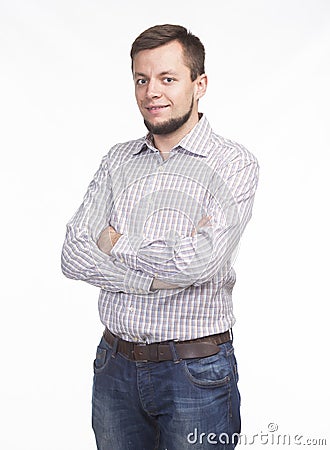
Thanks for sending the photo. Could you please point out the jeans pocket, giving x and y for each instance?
(234, 363)
(100, 359)
(211, 371)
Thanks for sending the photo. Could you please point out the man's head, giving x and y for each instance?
(193, 49)
(168, 70)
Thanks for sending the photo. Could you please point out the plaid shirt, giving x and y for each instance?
(156, 205)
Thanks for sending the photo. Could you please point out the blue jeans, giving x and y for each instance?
(169, 405)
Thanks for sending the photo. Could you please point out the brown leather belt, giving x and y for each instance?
(166, 351)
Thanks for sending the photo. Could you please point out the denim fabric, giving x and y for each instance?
(170, 405)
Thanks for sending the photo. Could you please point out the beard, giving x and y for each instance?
(171, 125)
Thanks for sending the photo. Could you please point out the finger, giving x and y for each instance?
(204, 221)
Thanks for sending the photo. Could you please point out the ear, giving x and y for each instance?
(200, 86)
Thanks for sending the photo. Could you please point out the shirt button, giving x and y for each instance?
(122, 260)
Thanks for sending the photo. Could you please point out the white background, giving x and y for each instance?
(66, 97)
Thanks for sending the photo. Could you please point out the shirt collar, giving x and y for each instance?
(196, 141)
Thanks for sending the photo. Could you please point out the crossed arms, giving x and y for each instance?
(109, 237)
(94, 252)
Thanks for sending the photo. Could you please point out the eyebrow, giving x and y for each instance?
(164, 72)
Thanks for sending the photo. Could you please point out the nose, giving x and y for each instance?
(153, 89)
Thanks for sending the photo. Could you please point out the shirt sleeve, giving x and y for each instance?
(81, 257)
(195, 260)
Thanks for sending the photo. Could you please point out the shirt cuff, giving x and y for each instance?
(137, 282)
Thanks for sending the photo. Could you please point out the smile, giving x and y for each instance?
(156, 108)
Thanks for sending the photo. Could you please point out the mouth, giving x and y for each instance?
(156, 107)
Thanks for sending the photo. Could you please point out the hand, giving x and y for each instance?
(108, 239)
(204, 222)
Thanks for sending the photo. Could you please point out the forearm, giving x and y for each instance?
(107, 241)
(191, 260)
(161, 285)
(82, 260)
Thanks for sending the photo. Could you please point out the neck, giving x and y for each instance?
(165, 142)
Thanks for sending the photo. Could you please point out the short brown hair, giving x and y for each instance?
(193, 49)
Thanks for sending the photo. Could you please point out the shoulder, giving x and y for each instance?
(123, 151)
(126, 149)
(228, 151)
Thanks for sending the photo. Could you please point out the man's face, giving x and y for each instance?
(165, 94)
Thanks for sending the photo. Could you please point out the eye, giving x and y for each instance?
(141, 81)
(168, 80)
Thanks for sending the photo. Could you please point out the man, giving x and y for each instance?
(157, 232)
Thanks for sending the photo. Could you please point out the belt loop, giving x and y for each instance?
(114, 347)
(175, 357)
